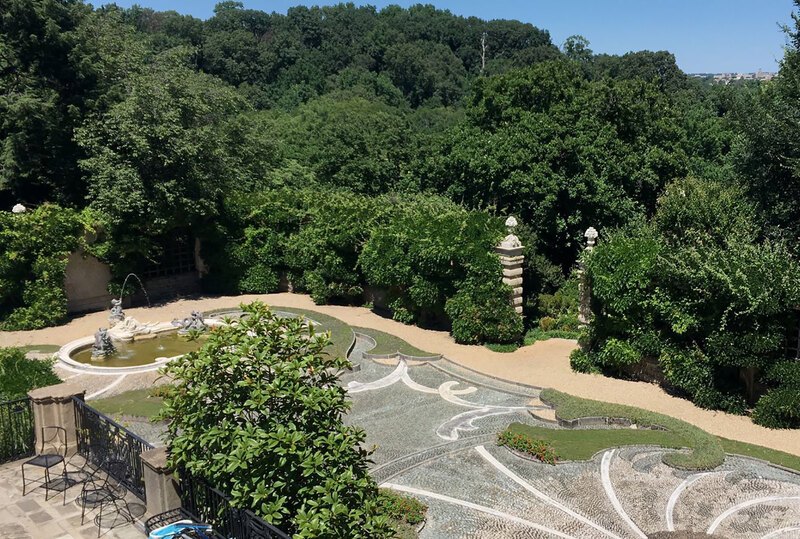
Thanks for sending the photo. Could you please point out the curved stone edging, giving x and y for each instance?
(394, 355)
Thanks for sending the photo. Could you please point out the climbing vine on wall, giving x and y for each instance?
(34, 248)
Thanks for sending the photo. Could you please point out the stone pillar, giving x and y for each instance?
(511, 258)
(160, 486)
(584, 288)
(53, 407)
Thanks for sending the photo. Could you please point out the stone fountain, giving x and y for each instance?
(102, 347)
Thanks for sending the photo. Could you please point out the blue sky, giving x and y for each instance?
(704, 35)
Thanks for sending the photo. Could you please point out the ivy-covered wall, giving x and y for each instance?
(34, 248)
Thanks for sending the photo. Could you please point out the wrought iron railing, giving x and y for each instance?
(102, 440)
(17, 438)
(207, 504)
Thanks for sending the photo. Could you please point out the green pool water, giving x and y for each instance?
(141, 351)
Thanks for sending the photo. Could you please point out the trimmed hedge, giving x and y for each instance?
(706, 450)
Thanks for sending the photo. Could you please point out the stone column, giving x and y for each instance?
(584, 288)
(160, 486)
(511, 258)
(53, 407)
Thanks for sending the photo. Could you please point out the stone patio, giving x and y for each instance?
(31, 517)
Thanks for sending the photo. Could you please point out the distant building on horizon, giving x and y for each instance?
(727, 78)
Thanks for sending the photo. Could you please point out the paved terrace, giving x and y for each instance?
(31, 517)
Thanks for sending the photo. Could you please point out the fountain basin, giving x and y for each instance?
(145, 349)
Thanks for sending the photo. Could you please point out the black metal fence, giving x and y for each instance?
(207, 504)
(102, 440)
(17, 437)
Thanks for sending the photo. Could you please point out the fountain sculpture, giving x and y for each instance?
(117, 314)
(194, 322)
(102, 347)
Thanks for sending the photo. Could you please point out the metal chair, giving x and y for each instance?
(105, 492)
(53, 452)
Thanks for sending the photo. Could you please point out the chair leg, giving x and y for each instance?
(66, 484)
(23, 480)
(46, 483)
(83, 507)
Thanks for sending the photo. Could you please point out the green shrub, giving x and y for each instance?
(525, 444)
(580, 361)
(547, 323)
(257, 411)
(403, 508)
(779, 409)
(705, 307)
(18, 374)
(616, 354)
(480, 312)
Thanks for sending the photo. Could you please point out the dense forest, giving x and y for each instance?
(346, 147)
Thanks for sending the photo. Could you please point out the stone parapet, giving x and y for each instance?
(53, 406)
(162, 488)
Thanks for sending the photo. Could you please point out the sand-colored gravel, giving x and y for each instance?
(544, 364)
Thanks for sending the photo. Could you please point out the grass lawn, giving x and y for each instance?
(581, 444)
(341, 334)
(137, 402)
(388, 344)
(756, 451)
(40, 348)
(707, 451)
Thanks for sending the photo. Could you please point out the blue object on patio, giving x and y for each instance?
(181, 529)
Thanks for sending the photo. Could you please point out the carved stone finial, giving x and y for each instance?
(19, 208)
(591, 237)
(511, 222)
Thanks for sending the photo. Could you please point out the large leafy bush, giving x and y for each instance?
(434, 259)
(704, 297)
(258, 412)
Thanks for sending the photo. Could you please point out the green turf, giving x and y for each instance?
(388, 344)
(707, 452)
(40, 348)
(341, 334)
(770, 455)
(137, 402)
(531, 337)
(581, 444)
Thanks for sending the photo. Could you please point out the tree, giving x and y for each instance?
(40, 100)
(258, 413)
(162, 157)
(424, 70)
(767, 156)
(577, 48)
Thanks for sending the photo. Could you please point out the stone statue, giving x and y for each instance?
(117, 315)
(584, 287)
(102, 347)
(19, 208)
(194, 322)
(511, 241)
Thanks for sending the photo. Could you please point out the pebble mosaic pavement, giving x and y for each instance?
(434, 423)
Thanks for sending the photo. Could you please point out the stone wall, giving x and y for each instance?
(86, 283)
